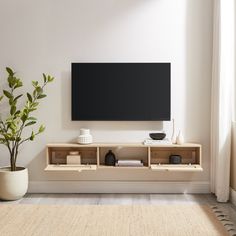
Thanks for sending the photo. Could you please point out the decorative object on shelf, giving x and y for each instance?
(180, 138)
(85, 137)
(14, 179)
(150, 141)
(129, 163)
(157, 136)
(173, 137)
(73, 158)
(110, 159)
(175, 159)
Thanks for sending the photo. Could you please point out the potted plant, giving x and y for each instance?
(14, 179)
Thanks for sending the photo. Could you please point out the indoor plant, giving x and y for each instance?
(14, 179)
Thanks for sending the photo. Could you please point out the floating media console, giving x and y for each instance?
(154, 157)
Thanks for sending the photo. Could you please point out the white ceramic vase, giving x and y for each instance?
(13, 184)
(180, 138)
(85, 137)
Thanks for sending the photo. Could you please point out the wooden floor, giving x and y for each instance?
(126, 199)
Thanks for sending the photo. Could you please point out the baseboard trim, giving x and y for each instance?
(117, 187)
(233, 196)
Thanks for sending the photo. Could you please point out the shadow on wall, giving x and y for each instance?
(37, 165)
(68, 124)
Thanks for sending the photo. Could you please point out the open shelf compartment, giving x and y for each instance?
(191, 158)
(56, 158)
(124, 153)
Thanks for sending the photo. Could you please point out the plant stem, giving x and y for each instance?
(13, 163)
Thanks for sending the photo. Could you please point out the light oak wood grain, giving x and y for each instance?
(154, 157)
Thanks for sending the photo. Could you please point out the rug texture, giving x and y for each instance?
(109, 220)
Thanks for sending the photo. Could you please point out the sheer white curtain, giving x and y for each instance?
(223, 76)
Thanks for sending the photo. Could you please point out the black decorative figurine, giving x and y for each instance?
(110, 159)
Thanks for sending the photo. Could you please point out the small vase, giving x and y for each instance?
(180, 138)
(110, 159)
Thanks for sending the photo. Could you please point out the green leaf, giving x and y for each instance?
(13, 110)
(41, 128)
(32, 136)
(32, 109)
(35, 104)
(2, 140)
(13, 128)
(29, 97)
(39, 90)
(23, 117)
(31, 118)
(18, 84)
(8, 125)
(18, 97)
(11, 101)
(1, 97)
(34, 93)
(27, 105)
(9, 71)
(30, 123)
(44, 78)
(11, 81)
(50, 79)
(7, 94)
(18, 139)
(35, 83)
(8, 136)
(42, 96)
(17, 113)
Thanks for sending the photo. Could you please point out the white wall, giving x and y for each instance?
(46, 36)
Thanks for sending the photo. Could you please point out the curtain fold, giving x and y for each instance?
(223, 77)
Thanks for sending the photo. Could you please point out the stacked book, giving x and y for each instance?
(132, 163)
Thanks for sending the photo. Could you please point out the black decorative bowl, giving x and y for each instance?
(175, 159)
(157, 136)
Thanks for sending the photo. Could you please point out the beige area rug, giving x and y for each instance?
(109, 220)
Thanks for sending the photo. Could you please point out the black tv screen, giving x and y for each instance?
(121, 91)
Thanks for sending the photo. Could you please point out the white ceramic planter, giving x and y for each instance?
(13, 184)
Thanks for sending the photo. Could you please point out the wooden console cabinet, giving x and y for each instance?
(154, 157)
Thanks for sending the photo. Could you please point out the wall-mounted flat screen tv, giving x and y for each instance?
(121, 91)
